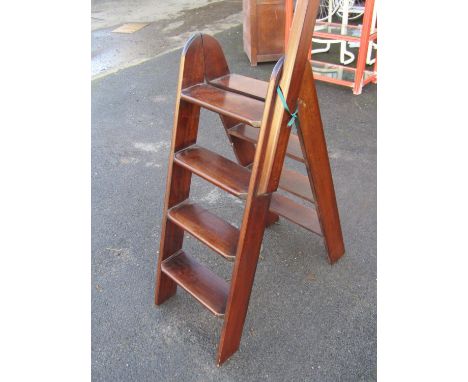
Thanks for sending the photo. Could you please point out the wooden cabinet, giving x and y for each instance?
(263, 30)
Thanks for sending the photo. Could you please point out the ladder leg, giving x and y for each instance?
(178, 179)
(251, 236)
(314, 147)
(172, 236)
(178, 189)
(252, 228)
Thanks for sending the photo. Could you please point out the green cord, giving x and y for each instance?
(293, 119)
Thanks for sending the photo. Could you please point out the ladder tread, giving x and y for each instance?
(237, 106)
(210, 229)
(216, 169)
(204, 285)
(302, 215)
(250, 134)
(296, 184)
(247, 86)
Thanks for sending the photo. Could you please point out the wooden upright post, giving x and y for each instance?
(178, 180)
(314, 147)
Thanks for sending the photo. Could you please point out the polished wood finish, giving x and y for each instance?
(216, 67)
(314, 146)
(260, 149)
(294, 148)
(247, 86)
(296, 183)
(217, 73)
(297, 213)
(288, 15)
(290, 83)
(210, 229)
(263, 30)
(207, 287)
(244, 109)
(216, 169)
(245, 132)
(214, 59)
(248, 251)
(179, 179)
(250, 134)
(250, 238)
(243, 149)
(269, 157)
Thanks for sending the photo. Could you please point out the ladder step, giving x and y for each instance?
(302, 215)
(215, 232)
(239, 107)
(250, 134)
(247, 86)
(216, 169)
(207, 287)
(296, 184)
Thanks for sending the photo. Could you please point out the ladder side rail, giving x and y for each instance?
(314, 147)
(295, 61)
(184, 134)
(250, 237)
(266, 172)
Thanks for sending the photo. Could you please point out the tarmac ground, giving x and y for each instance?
(307, 320)
(169, 24)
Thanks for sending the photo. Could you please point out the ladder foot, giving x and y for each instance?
(333, 258)
(162, 295)
(272, 218)
(224, 354)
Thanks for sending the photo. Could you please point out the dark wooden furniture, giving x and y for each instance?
(256, 124)
(263, 29)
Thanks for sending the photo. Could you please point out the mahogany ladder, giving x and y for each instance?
(256, 124)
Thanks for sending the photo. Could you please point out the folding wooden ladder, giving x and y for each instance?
(256, 124)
